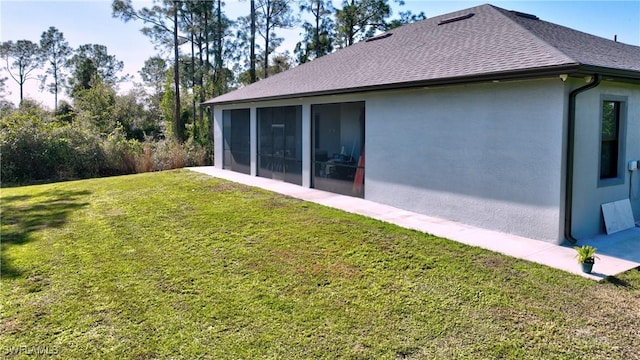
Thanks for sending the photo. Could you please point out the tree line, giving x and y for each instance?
(201, 53)
(243, 49)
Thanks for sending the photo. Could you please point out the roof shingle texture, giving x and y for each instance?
(493, 40)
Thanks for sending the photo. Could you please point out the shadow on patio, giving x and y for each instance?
(623, 245)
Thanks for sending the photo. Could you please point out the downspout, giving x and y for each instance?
(568, 199)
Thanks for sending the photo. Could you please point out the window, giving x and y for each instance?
(612, 141)
(338, 148)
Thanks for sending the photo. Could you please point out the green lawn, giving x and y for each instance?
(178, 265)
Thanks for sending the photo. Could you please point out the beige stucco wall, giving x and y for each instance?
(488, 154)
(588, 195)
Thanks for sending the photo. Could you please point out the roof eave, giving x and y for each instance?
(612, 74)
(569, 69)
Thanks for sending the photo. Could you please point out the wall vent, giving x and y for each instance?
(457, 18)
(379, 37)
(524, 15)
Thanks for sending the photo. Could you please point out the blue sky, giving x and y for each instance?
(90, 21)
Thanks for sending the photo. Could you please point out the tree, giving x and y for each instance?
(195, 22)
(3, 88)
(158, 20)
(162, 29)
(91, 61)
(359, 19)
(154, 73)
(218, 81)
(136, 121)
(64, 112)
(318, 36)
(25, 55)
(279, 63)
(55, 51)
(244, 50)
(95, 105)
(6, 107)
(273, 14)
(179, 134)
(154, 77)
(406, 17)
(167, 106)
(82, 74)
(252, 55)
(221, 24)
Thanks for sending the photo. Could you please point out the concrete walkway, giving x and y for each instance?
(617, 253)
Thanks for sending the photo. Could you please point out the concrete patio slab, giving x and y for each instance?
(617, 253)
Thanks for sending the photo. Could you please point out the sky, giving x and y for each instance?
(90, 22)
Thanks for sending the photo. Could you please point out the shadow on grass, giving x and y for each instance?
(629, 280)
(8, 185)
(617, 282)
(24, 214)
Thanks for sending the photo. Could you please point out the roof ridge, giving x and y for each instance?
(495, 43)
(531, 33)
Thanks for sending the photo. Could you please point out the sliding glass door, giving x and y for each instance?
(338, 148)
(237, 143)
(280, 143)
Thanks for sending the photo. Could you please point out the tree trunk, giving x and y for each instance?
(252, 56)
(21, 82)
(193, 78)
(317, 34)
(176, 74)
(267, 19)
(206, 39)
(206, 50)
(220, 36)
(265, 61)
(55, 87)
(352, 25)
(201, 75)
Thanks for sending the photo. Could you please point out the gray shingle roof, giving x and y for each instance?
(491, 42)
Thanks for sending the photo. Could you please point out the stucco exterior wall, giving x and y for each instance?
(489, 155)
(218, 139)
(588, 194)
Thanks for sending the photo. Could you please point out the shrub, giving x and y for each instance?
(78, 152)
(121, 153)
(22, 148)
(168, 154)
(144, 162)
(35, 148)
(196, 154)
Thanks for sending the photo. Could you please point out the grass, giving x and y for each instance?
(177, 265)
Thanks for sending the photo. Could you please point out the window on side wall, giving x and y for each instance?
(612, 126)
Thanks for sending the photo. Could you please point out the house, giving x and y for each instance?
(484, 116)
